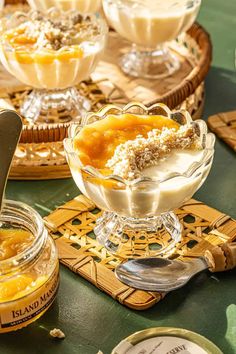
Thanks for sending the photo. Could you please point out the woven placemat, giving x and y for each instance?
(71, 225)
(224, 126)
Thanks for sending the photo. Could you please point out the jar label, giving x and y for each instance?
(19, 311)
(161, 345)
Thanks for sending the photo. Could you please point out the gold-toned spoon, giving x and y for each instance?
(160, 274)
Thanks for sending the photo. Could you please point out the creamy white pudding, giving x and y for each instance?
(47, 52)
(83, 6)
(177, 190)
(148, 198)
(149, 23)
(47, 71)
(179, 161)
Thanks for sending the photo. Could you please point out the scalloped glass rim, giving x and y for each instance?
(181, 116)
(20, 17)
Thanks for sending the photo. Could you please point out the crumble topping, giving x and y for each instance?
(57, 333)
(55, 33)
(133, 156)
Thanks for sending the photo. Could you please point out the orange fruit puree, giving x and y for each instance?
(19, 286)
(26, 53)
(97, 142)
(13, 242)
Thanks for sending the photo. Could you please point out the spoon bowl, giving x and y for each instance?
(158, 274)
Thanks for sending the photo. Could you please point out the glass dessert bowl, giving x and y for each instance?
(83, 6)
(138, 164)
(52, 52)
(150, 25)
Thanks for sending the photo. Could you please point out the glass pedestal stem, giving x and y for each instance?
(150, 63)
(131, 237)
(54, 106)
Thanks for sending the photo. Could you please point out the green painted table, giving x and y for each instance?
(207, 305)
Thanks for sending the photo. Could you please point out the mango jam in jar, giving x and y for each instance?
(29, 268)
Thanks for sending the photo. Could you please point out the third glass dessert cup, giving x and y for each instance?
(139, 218)
(52, 52)
(150, 25)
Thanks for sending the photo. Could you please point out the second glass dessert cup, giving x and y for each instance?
(139, 213)
(52, 52)
(150, 25)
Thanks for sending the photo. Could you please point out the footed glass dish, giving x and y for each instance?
(142, 209)
(52, 52)
(150, 26)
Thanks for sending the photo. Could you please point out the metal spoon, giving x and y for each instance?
(10, 130)
(159, 274)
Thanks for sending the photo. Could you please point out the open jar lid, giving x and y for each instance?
(166, 340)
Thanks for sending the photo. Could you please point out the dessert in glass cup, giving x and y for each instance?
(138, 164)
(150, 25)
(52, 52)
(83, 6)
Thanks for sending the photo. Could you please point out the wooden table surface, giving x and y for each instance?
(92, 320)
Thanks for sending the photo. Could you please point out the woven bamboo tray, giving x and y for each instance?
(40, 154)
(71, 225)
(194, 50)
(184, 89)
(224, 126)
(46, 160)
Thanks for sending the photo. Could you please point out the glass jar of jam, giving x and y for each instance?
(29, 268)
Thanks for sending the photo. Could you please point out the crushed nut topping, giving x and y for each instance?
(133, 156)
(55, 33)
(57, 333)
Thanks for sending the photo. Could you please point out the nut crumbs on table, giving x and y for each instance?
(57, 333)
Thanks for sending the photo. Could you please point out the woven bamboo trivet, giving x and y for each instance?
(193, 48)
(71, 225)
(224, 126)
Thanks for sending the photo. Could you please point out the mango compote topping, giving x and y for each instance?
(25, 52)
(46, 57)
(97, 142)
(13, 242)
(19, 286)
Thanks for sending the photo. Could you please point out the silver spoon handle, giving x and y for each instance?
(10, 131)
